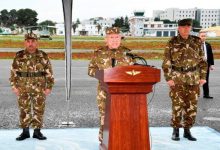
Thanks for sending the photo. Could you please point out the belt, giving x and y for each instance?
(184, 69)
(30, 74)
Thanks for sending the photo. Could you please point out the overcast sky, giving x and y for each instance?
(85, 9)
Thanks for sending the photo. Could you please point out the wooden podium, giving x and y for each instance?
(126, 117)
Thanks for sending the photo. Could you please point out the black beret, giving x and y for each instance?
(185, 22)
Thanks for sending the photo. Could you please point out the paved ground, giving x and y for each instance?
(83, 110)
(86, 139)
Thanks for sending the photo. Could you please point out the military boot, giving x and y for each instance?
(175, 135)
(24, 135)
(38, 135)
(187, 134)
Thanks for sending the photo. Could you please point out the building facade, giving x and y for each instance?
(90, 27)
(206, 17)
(142, 26)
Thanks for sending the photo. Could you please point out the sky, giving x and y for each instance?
(85, 9)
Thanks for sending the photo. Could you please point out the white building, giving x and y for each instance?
(137, 23)
(175, 14)
(159, 29)
(206, 17)
(142, 26)
(91, 27)
(209, 17)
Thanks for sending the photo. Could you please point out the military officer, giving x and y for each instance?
(108, 56)
(184, 69)
(31, 80)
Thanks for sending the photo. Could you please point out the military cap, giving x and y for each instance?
(112, 30)
(185, 22)
(30, 36)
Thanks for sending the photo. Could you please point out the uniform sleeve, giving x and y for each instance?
(49, 74)
(167, 65)
(202, 64)
(92, 66)
(14, 78)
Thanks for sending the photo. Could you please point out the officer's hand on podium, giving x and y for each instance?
(201, 82)
(47, 92)
(15, 90)
(171, 83)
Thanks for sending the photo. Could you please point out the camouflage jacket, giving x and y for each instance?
(102, 59)
(185, 54)
(31, 63)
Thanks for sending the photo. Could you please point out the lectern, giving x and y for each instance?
(126, 117)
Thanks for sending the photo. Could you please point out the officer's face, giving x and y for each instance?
(31, 45)
(202, 36)
(113, 41)
(184, 31)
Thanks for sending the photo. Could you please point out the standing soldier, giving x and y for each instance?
(113, 54)
(31, 80)
(184, 69)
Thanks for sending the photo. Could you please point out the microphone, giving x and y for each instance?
(113, 62)
(133, 56)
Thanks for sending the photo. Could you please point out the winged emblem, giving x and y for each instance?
(133, 72)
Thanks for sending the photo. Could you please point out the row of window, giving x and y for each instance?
(187, 16)
(209, 11)
(159, 25)
(209, 19)
(186, 11)
(209, 15)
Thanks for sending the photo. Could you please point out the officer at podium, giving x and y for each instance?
(184, 69)
(108, 56)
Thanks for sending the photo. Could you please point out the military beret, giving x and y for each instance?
(185, 22)
(30, 36)
(112, 30)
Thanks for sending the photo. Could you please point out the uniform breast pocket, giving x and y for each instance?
(176, 54)
(39, 67)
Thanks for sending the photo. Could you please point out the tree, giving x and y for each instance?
(156, 19)
(78, 21)
(26, 17)
(95, 22)
(166, 21)
(122, 23)
(47, 23)
(196, 26)
(74, 26)
(126, 24)
(99, 27)
(4, 17)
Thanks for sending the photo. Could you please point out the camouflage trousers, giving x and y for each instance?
(32, 106)
(184, 105)
(101, 99)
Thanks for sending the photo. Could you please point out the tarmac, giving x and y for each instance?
(86, 139)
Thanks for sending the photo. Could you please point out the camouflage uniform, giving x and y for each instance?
(102, 59)
(31, 74)
(184, 63)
